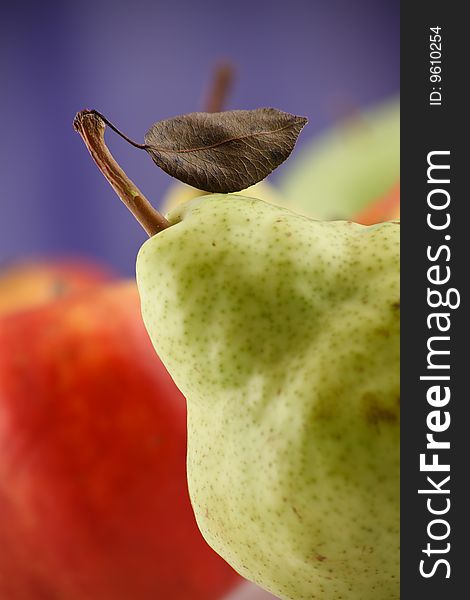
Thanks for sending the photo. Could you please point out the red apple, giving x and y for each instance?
(35, 282)
(93, 496)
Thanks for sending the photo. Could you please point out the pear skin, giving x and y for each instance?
(283, 334)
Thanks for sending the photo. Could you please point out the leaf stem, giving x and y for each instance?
(116, 130)
(91, 125)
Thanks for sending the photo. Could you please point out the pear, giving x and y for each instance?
(283, 334)
(347, 168)
(179, 193)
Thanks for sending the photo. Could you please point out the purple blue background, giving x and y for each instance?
(142, 61)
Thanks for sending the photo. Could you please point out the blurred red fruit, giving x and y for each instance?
(93, 495)
(35, 282)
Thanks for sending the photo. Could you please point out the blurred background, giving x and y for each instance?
(143, 61)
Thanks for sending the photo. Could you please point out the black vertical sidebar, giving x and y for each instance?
(435, 270)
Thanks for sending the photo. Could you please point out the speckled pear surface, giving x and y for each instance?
(283, 334)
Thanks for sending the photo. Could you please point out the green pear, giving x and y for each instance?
(347, 168)
(179, 192)
(283, 334)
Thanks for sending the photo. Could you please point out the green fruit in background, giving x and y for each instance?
(178, 193)
(348, 167)
(283, 334)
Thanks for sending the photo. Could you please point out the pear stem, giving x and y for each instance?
(222, 80)
(91, 126)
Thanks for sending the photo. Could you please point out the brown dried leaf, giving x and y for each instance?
(226, 151)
